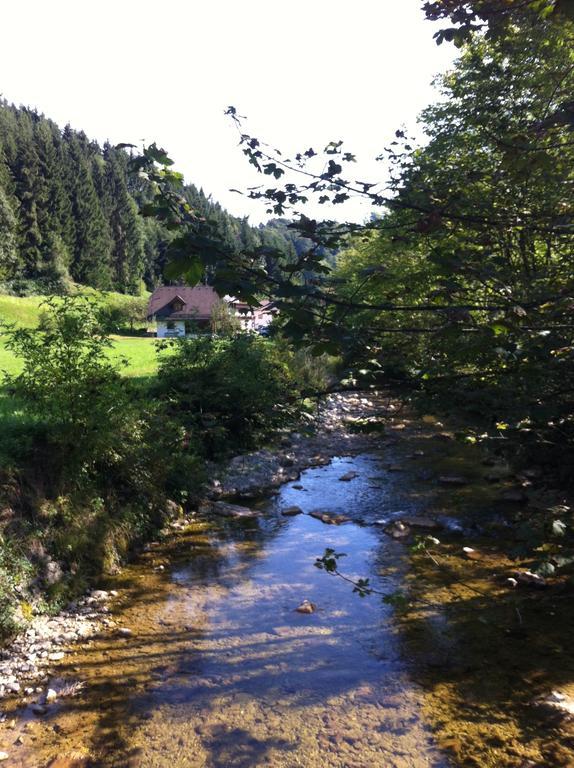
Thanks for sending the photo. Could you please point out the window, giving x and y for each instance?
(170, 325)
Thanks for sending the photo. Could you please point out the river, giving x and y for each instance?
(221, 670)
(215, 668)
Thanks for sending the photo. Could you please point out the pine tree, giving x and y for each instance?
(26, 173)
(126, 230)
(55, 208)
(93, 244)
(8, 230)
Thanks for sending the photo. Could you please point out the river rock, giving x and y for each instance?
(558, 702)
(72, 760)
(224, 509)
(397, 530)
(471, 554)
(529, 579)
(421, 521)
(329, 518)
(291, 511)
(306, 607)
(4, 756)
(124, 632)
(349, 476)
(52, 573)
(99, 595)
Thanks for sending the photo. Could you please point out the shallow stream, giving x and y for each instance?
(222, 671)
(216, 669)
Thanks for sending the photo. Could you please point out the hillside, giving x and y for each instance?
(69, 211)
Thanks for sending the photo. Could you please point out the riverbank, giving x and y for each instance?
(26, 660)
(485, 661)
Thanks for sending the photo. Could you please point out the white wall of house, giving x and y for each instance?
(163, 332)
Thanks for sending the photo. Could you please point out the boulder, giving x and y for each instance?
(349, 476)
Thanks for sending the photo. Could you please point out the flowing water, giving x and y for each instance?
(221, 671)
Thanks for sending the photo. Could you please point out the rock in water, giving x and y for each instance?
(397, 530)
(421, 521)
(291, 511)
(224, 509)
(306, 607)
(329, 518)
(348, 476)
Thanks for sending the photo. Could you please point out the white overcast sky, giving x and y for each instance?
(304, 72)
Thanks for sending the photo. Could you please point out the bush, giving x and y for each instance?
(227, 393)
(68, 382)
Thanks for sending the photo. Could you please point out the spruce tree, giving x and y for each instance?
(8, 231)
(92, 255)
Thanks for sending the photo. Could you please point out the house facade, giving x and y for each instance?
(179, 310)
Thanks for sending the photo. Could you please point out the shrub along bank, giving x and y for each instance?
(92, 457)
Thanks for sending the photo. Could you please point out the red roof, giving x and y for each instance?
(198, 301)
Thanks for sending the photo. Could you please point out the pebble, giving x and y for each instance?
(124, 632)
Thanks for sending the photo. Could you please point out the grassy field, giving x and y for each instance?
(138, 351)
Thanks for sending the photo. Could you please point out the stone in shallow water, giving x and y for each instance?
(291, 511)
(421, 521)
(397, 530)
(306, 607)
(349, 476)
(329, 518)
(224, 509)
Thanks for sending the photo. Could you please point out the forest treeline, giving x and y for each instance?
(69, 211)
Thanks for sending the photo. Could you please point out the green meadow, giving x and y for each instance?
(138, 352)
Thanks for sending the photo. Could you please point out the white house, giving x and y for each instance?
(179, 310)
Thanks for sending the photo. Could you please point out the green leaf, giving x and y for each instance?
(189, 268)
(158, 155)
